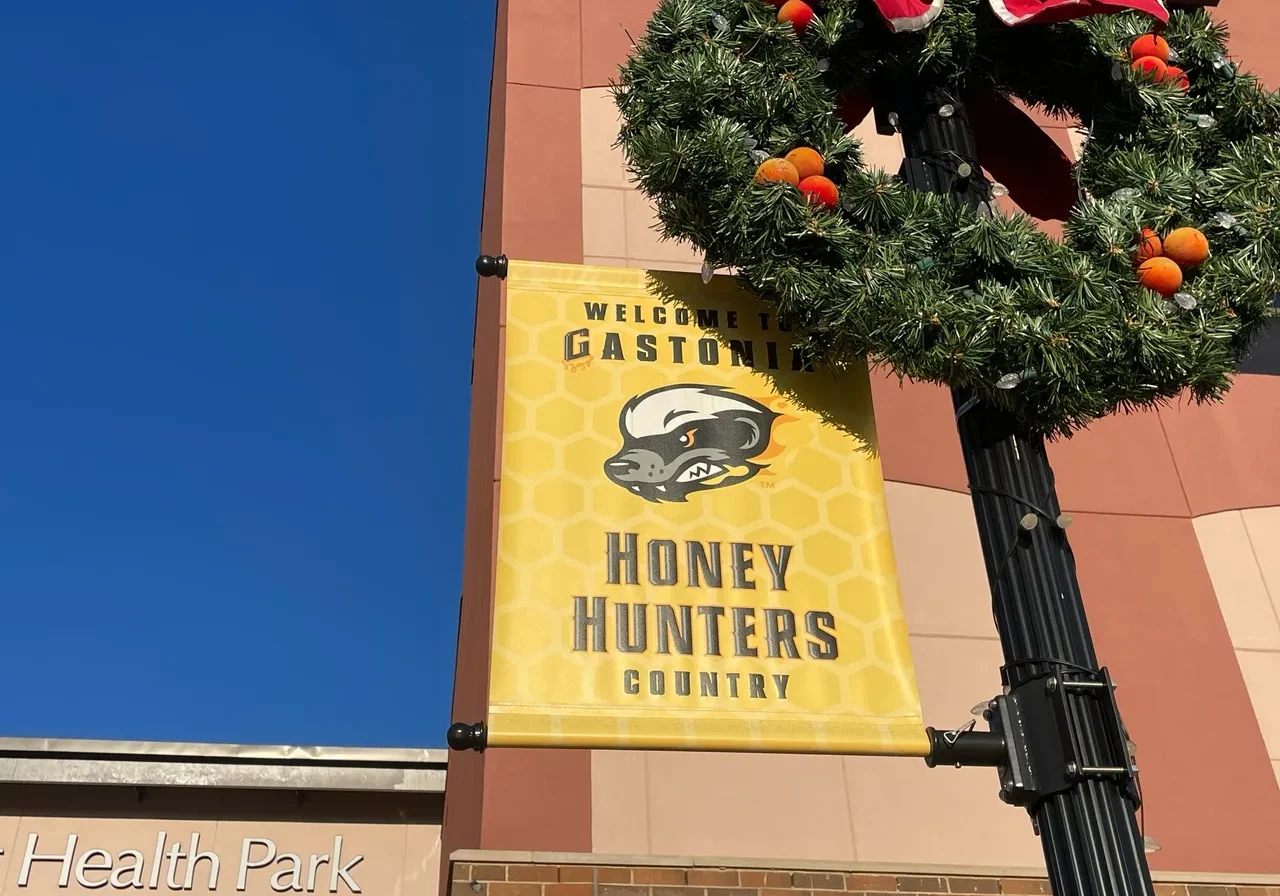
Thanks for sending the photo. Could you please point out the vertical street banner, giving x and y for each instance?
(693, 547)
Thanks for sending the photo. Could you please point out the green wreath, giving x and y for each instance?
(1059, 333)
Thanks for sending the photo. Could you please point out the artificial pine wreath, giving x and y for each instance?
(1171, 253)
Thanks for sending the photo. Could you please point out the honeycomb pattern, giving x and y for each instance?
(822, 493)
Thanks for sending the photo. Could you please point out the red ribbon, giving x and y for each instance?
(916, 15)
(1037, 173)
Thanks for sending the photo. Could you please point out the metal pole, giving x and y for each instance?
(1086, 815)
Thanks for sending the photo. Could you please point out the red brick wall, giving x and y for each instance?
(545, 879)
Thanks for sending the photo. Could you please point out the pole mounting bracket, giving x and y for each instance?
(1048, 734)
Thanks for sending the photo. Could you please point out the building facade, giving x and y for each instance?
(1176, 533)
(85, 816)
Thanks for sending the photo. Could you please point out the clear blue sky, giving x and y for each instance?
(235, 339)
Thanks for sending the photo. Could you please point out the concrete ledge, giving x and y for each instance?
(163, 750)
(499, 857)
(149, 764)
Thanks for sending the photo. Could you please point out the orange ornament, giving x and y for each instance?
(777, 171)
(820, 191)
(1149, 246)
(1177, 77)
(1160, 275)
(798, 13)
(1187, 246)
(1149, 45)
(807, 161)
(1150, 67)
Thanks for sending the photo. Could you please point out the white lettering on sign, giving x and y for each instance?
(129, 869)
(30, 857)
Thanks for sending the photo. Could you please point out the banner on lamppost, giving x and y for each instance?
(693, 547)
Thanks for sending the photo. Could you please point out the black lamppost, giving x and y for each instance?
(1056, 735)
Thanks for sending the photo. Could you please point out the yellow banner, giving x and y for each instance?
(693, 548)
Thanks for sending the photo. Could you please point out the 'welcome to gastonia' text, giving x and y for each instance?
(699, 347)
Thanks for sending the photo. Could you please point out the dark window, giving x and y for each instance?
(1264, 357)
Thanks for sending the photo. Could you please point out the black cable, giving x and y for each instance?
(999, 572)
(949, 161)
(1039, 511)
(1051, 661)
(992, 490)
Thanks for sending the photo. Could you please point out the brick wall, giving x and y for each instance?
(494, 878)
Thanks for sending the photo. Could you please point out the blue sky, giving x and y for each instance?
(235, 336)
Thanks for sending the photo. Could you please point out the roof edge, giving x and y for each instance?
(173, 764)
(161, 751)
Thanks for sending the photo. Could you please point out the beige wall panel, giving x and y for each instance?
(604, 228)
(716, 804)
(644, 240)
(1234, 567)
(1261, 671)
(602, 161)
(605, 261)
(1262, 525)
(421, 860)
(620, 802)
(878, 151)
(939, 558)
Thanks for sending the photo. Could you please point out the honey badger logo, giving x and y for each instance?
(681, 439)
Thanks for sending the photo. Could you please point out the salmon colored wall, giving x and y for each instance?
(539, 799)
(1176, 533)
(516, 799)
(464, 794)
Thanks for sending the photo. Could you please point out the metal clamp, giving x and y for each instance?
(1063, 727)
(1047, 734)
